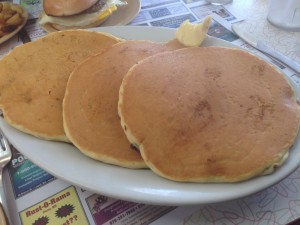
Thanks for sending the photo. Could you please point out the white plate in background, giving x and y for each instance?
(125, 14)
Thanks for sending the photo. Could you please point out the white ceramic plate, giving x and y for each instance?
(66, 162)
(10, 35)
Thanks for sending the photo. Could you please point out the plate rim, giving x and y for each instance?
(169, 192)
(130, 3)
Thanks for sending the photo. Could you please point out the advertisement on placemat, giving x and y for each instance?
(26, 176)
(109, 211)
(64, 208)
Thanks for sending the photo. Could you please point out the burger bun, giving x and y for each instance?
(66, 7)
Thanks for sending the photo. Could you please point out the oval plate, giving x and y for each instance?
(66, 162)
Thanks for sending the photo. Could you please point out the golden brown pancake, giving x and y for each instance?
(33, 79)
(90, 106)
(208, 114)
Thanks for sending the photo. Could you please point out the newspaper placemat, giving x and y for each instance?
(37, 197)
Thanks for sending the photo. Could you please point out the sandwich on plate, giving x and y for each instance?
(71, 14)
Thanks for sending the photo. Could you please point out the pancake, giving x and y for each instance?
(33, 79)
(90, 106)
(208, 114)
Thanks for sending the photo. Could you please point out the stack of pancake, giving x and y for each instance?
(140, 104)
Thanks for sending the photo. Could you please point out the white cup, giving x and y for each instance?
(219, 2)
(285, 14)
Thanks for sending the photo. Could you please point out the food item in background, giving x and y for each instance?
(71, 14)
(90, 105)
(11, 17)
(33, 78)
(198, 119)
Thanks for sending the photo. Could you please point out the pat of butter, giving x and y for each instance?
(192, 35)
